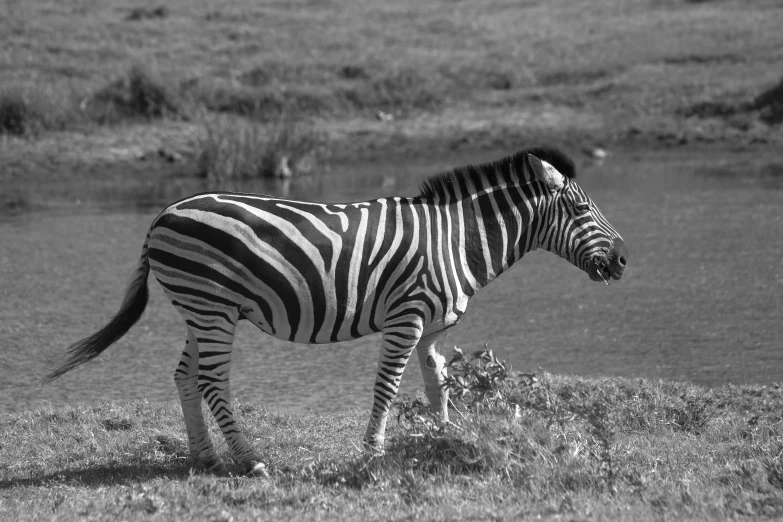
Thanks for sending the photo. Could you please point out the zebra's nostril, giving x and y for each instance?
(622, 261)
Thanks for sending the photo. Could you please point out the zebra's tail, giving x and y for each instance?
(136, 296)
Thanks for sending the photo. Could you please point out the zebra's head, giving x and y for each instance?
(573, 227)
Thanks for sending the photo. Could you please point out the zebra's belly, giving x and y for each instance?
(347, 329)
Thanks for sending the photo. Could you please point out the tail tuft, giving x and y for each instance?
(136, 297)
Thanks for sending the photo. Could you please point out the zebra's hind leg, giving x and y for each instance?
(186, 379)
(215, 336)
(433, 370)
(397, 345)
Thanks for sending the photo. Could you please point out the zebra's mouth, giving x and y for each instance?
(599, 270)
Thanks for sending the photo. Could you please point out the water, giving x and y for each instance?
(701, 300)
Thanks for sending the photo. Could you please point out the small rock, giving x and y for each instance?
(283, 169)
(596, 153)
(383, 116)
(169, 155)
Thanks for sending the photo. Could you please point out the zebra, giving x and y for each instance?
(320, 273)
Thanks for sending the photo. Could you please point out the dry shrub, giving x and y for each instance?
(26, 111)
(234, 148)
(141, 92)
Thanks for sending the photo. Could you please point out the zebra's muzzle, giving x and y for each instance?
(598, 270)
(609, 265)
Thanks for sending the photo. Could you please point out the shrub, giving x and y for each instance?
(521, 427)
(141, 92)
(14, 113)
(26, 111)
(234, 148)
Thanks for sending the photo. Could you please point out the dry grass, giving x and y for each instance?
(30, 110)
(232, 148)
(640, 63)
(473, 75)
(578, 448)
(141, 92)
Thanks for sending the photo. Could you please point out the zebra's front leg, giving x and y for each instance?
(186, 379)
(397, 345)
(433, 370)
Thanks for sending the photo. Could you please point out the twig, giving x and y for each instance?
(456, 409)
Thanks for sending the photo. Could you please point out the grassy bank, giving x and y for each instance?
(118, 84)
(337, 59)
(520, 446)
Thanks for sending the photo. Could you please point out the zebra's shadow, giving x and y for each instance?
(110, 474)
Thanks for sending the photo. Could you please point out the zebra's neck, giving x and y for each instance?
(491, 230)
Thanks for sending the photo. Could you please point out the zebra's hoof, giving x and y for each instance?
(218, 468)
(257, 470)
(374, 450)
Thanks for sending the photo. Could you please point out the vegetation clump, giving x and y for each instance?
(145, 13)
(563, 439)
(142, 92)
(233, 149)
(26, 111)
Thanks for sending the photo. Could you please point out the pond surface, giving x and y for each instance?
(702, 299)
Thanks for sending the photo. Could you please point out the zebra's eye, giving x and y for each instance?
(582, 208)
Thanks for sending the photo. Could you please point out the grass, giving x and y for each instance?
(481, 75)
(27, 110)
(619, 64)
(141, 92)
(31, 110)
(519, 445)
(234, 149)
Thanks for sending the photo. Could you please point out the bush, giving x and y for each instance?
(141, 92)
(26, 111)
(234, 148)
(14, 113)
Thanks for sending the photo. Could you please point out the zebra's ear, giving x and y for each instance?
(545, 172)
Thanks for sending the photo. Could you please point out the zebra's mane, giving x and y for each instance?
(472, 178)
